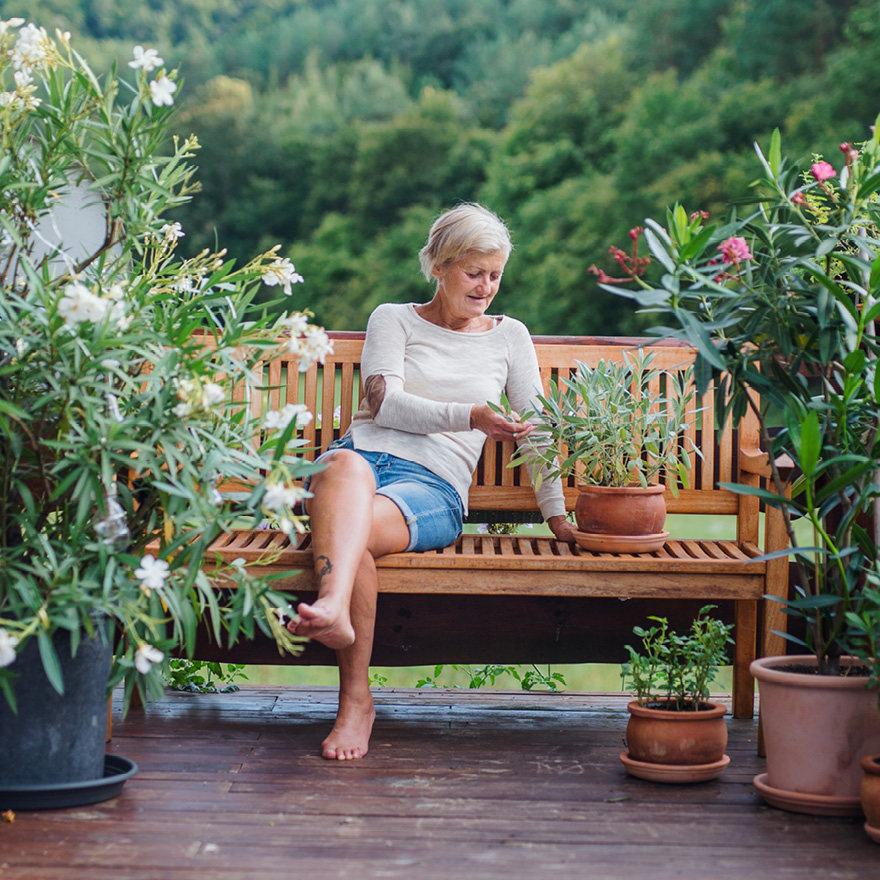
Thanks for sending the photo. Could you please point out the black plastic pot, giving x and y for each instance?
(55, 738)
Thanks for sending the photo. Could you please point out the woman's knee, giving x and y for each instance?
(345, 465)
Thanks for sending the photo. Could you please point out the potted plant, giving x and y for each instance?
(118, 425)
(865, 644)
(674, 733)
(617, 434)
(783, 301)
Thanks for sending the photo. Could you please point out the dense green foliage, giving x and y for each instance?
(340, 128)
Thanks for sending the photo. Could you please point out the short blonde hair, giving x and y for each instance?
(466, 228)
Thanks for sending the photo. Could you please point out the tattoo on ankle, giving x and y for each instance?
(324, 570)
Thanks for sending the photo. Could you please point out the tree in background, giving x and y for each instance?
(342, 127)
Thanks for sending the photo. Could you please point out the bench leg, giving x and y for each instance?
(745, 634)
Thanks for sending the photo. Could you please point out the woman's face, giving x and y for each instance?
(468, 287)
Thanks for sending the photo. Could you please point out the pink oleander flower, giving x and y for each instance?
(735, 249)
(822, 171)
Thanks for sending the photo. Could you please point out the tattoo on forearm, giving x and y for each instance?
(322, 569)
(374, 389)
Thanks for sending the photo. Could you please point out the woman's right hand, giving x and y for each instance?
(498, 426)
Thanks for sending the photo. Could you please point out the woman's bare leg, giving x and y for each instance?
(350, 736)
(341, 517)
(351, 527)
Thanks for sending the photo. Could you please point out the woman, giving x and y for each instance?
(398, 480)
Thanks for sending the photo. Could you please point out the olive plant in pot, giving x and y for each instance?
(118, 425)
(675, 734)
(781, 298)
(617, 427)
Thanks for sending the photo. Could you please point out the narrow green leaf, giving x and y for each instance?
(763, 494)
(51, 666)
(775, 156)
(810, 444)
(659, 251)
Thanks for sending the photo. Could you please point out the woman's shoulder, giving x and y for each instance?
(391, 313)
(514, 328)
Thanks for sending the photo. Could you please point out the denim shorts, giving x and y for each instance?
(431, 507)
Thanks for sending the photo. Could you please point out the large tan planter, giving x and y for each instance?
(816, 728)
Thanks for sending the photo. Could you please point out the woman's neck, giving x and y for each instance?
(435, 314)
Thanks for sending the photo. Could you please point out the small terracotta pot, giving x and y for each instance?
(620, 510)
(871, 795)
(664, 736)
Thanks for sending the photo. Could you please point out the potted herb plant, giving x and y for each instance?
(118, 423)
(783, 301)
(674, 733)
(613, 429)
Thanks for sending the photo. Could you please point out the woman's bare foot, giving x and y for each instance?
(323, 623)
(350, 737)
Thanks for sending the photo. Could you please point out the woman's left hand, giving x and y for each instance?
(562, 529)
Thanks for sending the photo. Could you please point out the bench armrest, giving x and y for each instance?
(753, 460)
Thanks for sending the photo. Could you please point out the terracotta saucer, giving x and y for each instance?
(676, 773)
(873, 833)
(620, 543)
(803, 802)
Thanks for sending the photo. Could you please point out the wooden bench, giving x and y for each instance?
(686, 573)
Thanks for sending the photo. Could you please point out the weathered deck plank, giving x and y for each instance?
(481, 784)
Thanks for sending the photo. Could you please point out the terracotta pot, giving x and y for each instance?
(620, 519)
(666, 745)
(620, 510)
(871, 795)
(816, 730)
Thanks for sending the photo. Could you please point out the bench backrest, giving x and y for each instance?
(332, 391)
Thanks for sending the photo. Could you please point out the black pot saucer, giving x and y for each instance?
(117, 771)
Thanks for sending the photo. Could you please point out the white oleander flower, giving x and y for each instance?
(212, 394)
(145, 656)
(148, 59)
(8, 644)
(312, 347)
(161, 91)
(283, 272)
(172, 231)
(297, 412)
(280, 497)
(10, 23)
(33, 48)
(296, 323)
(79, 304)
(152, 574)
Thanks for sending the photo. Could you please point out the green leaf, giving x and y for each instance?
(869, 185)
(659, 251)
(826, 246)
(51, 666)
(763, 494)
(694, 247)
(810, 444)
(774, 158)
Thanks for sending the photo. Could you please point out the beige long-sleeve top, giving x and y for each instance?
(433, 377)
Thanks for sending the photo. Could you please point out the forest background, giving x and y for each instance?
(341, 128)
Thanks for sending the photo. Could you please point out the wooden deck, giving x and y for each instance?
(462, 784)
